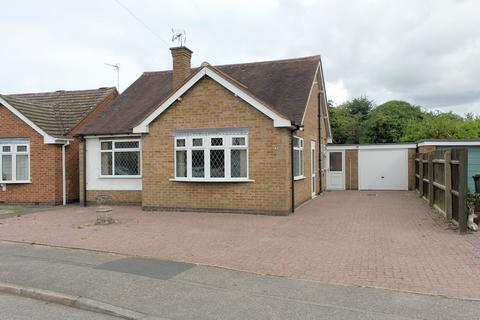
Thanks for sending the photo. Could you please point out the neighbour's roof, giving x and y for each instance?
(449, 142)
(58, 112)
(283, 84)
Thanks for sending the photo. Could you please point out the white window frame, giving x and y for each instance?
(301, 149)
(113, 150)
(13, 152)
(207, 147)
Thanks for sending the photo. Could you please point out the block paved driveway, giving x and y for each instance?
(389, 240)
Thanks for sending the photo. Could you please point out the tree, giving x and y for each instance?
(359, 106)
(434, 126)
(387, 123)
(345, 127)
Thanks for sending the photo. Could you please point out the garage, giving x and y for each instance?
(370, 167)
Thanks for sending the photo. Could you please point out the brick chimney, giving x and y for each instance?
(181, 57)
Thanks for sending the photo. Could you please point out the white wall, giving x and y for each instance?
(94, 182)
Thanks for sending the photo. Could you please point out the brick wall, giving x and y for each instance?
(119, 197)
(426, 149)
(411, 168)
(209, 105)
(351, 169)
(303, 188)
(45, 165)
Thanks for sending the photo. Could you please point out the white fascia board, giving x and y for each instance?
(449, 143)
(372, 146)
(277, 120)
(47, 139)
(133, 135)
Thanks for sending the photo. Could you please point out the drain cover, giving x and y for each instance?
(151, 268)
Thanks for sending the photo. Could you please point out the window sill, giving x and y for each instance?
(299, 178)
(211, 180)
(15, 182)
(120, 177)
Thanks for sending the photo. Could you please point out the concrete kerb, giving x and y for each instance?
(74, 302)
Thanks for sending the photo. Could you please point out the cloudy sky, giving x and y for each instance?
(425, 52)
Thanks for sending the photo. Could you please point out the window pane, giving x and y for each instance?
(6, 149)
(7, 167)
(22, 167)
(335, 161)
(21, 148)
(198, 164)
(296, 163)
(239, 163)
(296, 142)
(106, 164)
(217, 163)
(127, 163)
(106, 145)
(238, 141)
(197, 142)
(180, 142)
(126, 144)
(182, 163)
(217, 141)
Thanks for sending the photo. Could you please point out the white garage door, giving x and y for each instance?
(383, 169)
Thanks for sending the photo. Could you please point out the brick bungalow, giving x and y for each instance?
(244, 138)
(38, 154)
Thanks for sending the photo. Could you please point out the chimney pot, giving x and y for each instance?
(181, 58)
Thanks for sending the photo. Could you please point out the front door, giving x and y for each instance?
(336, 170)
(313, 162)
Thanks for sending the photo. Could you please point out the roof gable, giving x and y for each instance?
(278, 120)
(283, 85)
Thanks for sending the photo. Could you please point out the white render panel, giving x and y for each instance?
(383, 169)
(95, 182)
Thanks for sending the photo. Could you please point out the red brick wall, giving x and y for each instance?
(45, 164)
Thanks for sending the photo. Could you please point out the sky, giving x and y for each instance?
(424, 52)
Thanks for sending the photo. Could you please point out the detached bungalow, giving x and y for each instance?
(38, 155)
(244, 138)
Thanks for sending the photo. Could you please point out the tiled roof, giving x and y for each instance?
(283, 84)
(58, 112)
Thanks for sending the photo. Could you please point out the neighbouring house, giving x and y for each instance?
(38, 154)
(246, 138)
(371, 166)
(473, 158)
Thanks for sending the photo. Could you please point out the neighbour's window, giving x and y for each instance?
(298, 157)
(14, 162)
(223, 157)
(335, 161)
(120, 157)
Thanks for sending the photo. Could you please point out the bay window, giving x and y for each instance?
(298, 158)
(211, 155)
(14, 160)
(120, 158)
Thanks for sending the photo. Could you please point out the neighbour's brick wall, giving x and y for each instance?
(81, 171)
(74, 184)
(45, 165)
(426, 149)
(209, 105)
(351, 169)
(303, 188)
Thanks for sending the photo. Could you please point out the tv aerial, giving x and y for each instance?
(116, 67)
(179, 36)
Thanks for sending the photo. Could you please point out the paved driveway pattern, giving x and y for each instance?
(382, 239)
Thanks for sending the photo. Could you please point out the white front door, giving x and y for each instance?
(336, 170)
(313, 162)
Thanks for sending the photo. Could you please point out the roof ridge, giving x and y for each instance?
(60, 91)
(147, 73)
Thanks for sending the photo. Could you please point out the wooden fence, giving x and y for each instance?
(441, 179)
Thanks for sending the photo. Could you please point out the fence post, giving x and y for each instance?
(420, 173)
(462, 190)
(448, 184)
(430, 179)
